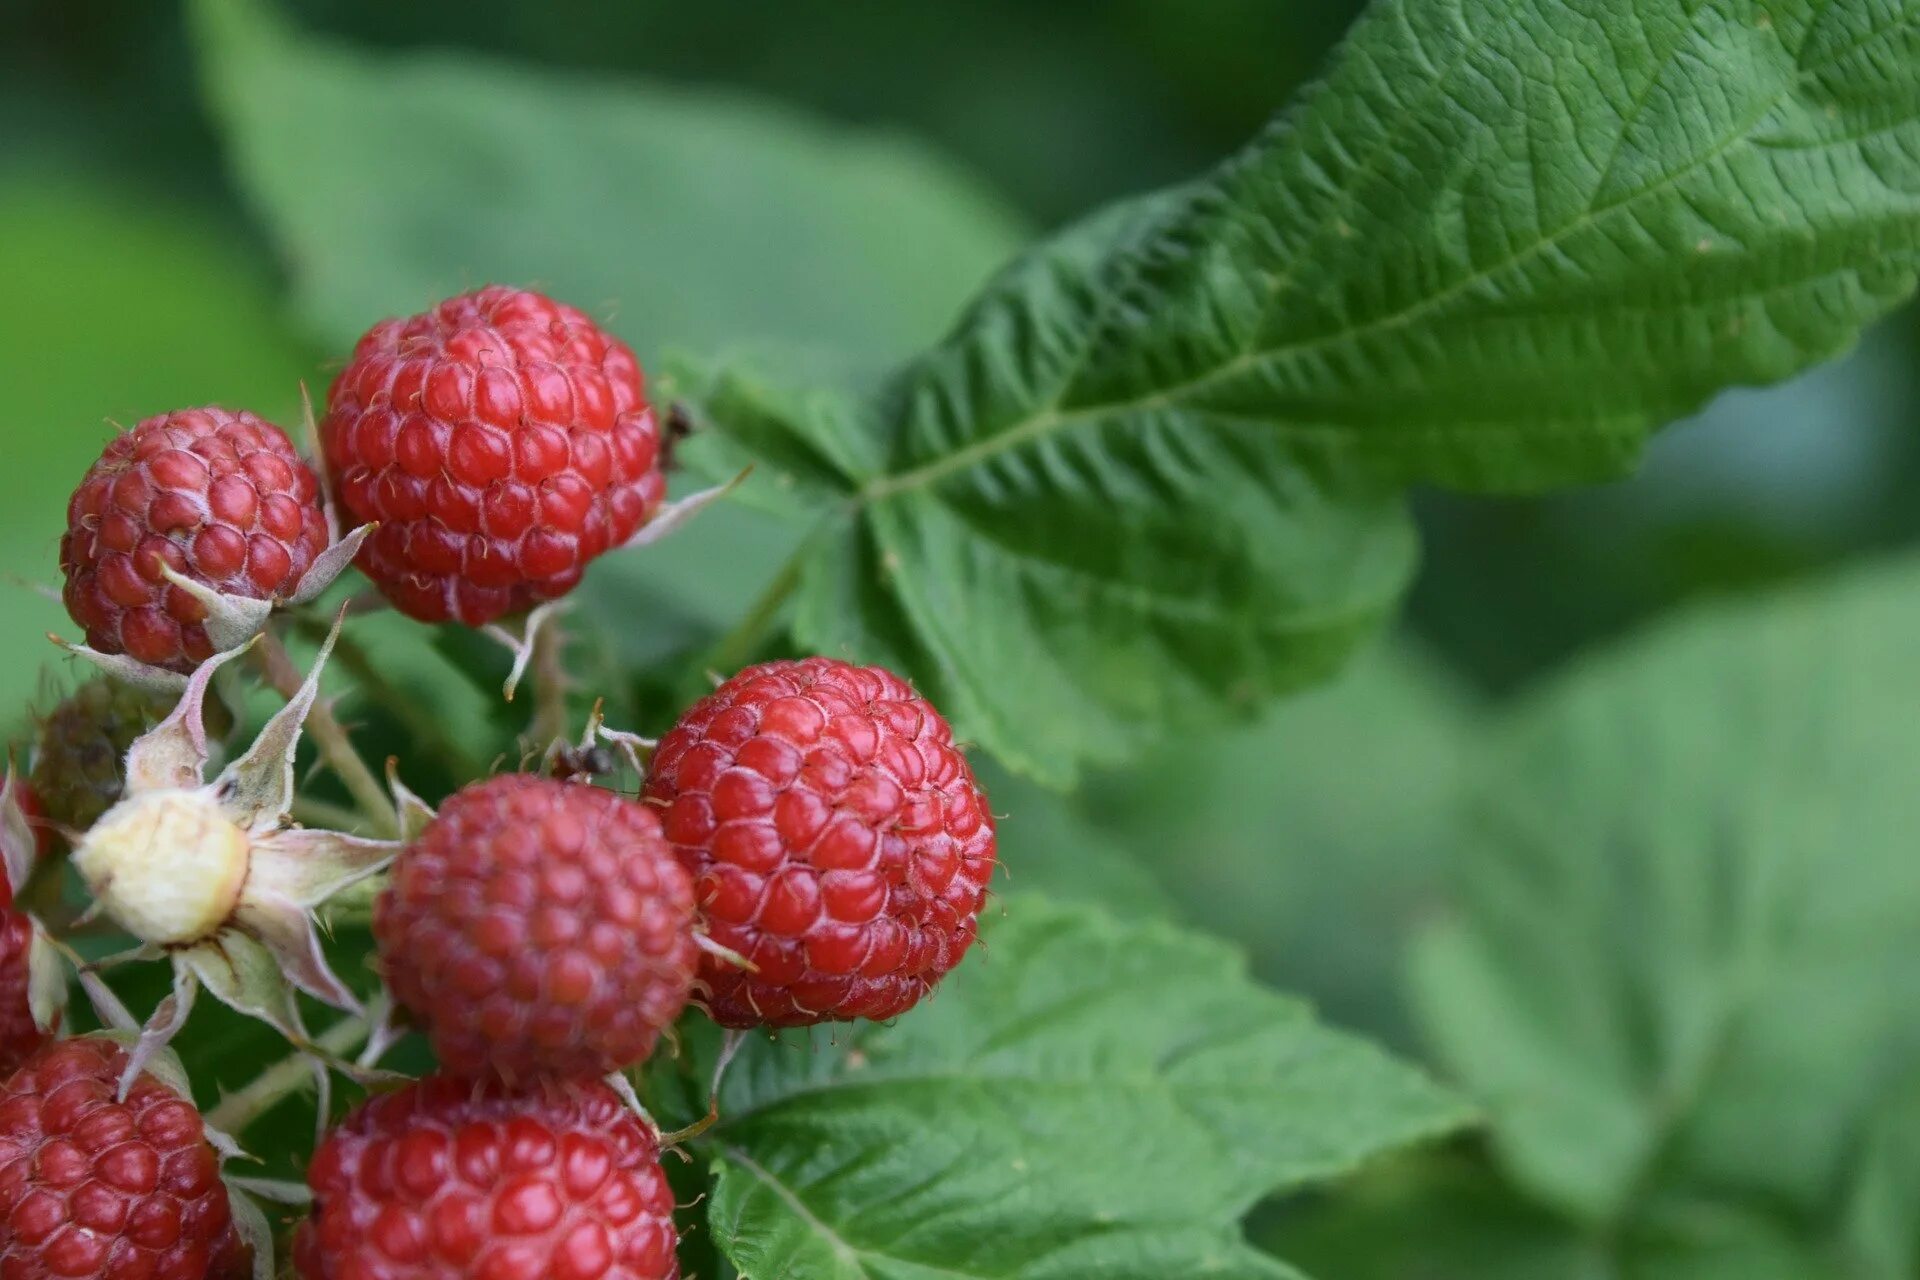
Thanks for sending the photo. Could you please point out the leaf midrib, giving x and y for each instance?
(1054, 418)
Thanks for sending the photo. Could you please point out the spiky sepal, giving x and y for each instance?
(253, 944)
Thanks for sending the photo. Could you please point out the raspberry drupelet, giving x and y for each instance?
(220, 497)
(837, 839)
(503, 441)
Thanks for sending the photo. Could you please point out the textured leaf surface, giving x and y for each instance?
(1684, 956)
(1496, 246)
(391, 181)
(1086, 1098)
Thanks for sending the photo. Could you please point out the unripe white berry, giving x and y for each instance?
(167, 866)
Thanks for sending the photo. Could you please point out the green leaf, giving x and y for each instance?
(1882, 1215)
(1317, 838)
(1503, 240)
(392, 180)
(1683, 959)
(1086, 1098)
(1449, 1220)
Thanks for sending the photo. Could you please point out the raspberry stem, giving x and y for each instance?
(733, 650)
(551, 682)
(336, 748)
(260, 1095)
(428, 731)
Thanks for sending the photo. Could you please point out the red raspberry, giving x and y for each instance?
(837, 838)
(19, 1036)
(221, 497)
(539, 929)
(503, 441)
(90, 1186)
(444, 1180)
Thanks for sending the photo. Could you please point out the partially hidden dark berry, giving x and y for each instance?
(837, 838)
(503, 441)
(92, 1186)
(79, 755)
(445, 1180)
(220, 497)
(539, 929)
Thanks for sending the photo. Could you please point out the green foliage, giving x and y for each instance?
(390, 182)
(1140, 484)
(1087, 1098)
(1683, 964)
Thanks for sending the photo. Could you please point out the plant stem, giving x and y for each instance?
(732, 650)
(428, 731)
(336, 748)
(550, 683)
(238, 1110)
(309, 812)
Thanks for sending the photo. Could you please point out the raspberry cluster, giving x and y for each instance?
(809, 845)
(219, 497)
(837, 837)
(503, 441)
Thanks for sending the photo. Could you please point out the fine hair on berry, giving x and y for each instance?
(539, 929)
(219, 497)
(445, 1179)
(837, 837)
(503, 441)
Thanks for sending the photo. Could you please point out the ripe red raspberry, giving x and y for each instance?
(444, 1180)
(837, 838)
(539, 929)
(19, 1035)
(221, 497)
(91, 1186)
(503, 441)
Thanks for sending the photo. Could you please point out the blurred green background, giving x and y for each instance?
(206, 205)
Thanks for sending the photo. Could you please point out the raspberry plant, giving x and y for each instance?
(528, 1000)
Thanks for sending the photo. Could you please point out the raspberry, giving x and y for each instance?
(19, 1034)
(443, 1180)
(222, 498)
(837, 838)
(91, 1186)
(539, 929)
(503, 441)
(83, 742)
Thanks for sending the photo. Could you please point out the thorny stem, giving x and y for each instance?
(238, 1110)
(550, 683)
(426, 729)
(336, 748)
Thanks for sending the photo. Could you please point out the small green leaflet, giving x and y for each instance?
(1141, 485)
(1683, 962)
(1086, 1097)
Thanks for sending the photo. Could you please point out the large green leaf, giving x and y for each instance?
(1317, 838)
(392, 180)
(1496, 246)
(1684, 957)
(1453, 1221)
(1086, 1098)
